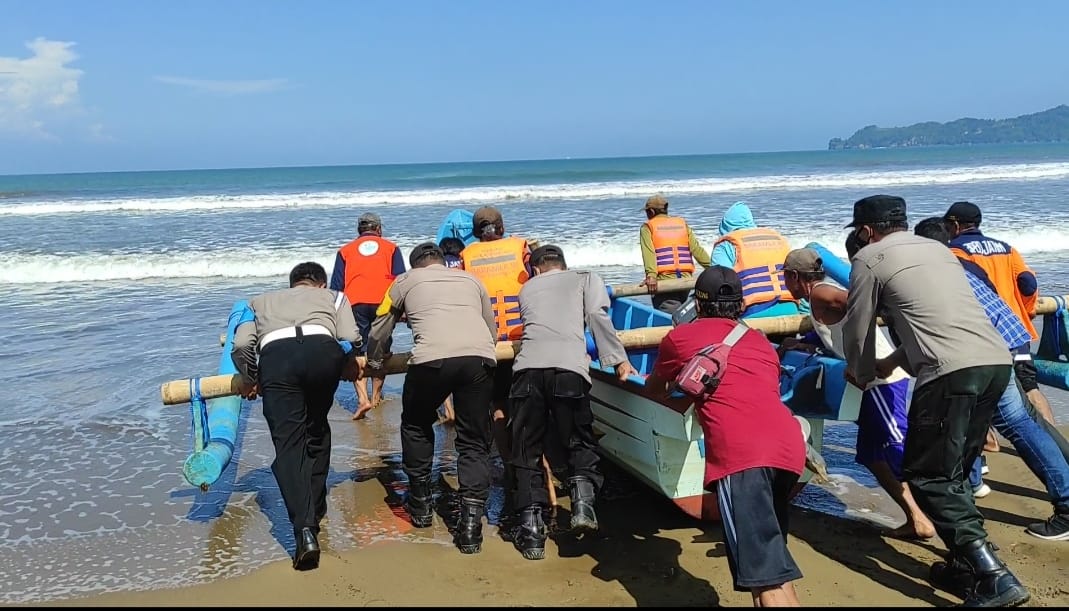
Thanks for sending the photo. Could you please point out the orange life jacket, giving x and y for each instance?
(1003, 264)
(671, 245)
(499, 265)
(759, 255)
(368, 268)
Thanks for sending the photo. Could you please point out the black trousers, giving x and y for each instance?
(948, 422)
(662, 301)
(550, 414)
(298, 378)
(470, 380)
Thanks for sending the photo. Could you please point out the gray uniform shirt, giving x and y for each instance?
(300, 305)
(448, 311)
(555, 305)
(921, 287)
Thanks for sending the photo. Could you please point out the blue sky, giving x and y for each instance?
(129, 85)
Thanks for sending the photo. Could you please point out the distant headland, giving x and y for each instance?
(1047, 126)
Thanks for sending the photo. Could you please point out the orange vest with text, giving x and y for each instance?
(671, 245)
(499, 265)
(368, 268)
(759, 256)
(1003, 264)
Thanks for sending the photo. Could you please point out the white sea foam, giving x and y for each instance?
(572, 191)
(607, 250)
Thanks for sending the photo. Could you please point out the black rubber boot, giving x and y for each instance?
(530, 535)
(995, 585)
(418, 503)
(952, 575)
(469, 534)
(584, 519)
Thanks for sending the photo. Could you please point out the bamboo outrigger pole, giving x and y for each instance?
(178, 392)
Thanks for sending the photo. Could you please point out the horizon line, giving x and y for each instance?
(514, 160)
(406, 163)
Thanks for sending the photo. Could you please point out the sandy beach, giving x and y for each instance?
(648, 553)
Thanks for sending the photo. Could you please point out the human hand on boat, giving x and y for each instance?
(248, 390)
(353, 368)
(651, 284)
(850, 378)
(625, 370)
(884, 368)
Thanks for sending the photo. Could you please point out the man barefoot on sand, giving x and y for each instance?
(881, 424)
(364, 269)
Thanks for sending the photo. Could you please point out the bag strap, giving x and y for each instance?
(736, 334)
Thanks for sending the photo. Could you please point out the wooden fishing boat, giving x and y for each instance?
(659, 441)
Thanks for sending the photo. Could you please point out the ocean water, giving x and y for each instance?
(113, 283)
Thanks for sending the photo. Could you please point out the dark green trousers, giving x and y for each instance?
(948, 422)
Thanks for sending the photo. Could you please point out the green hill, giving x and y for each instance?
(1046, 126)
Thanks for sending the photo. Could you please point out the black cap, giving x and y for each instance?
(879, 209)
(718, 283)
(423, 250)
(547, 251)
(963, 212)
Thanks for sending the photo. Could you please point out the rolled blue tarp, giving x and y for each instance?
(214, 445)
(1053, 373)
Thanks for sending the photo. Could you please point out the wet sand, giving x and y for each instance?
(648, 553)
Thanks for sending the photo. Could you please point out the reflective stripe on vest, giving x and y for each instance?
(671, 245)
(368, 269)
(759, 255)
(498, 264)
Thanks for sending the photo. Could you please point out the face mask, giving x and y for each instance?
(854, 244)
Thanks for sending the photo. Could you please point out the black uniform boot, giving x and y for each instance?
(952, 575)
(469, 534)
(995, 585)
(584, 519)
(418, 503)
(529, 535)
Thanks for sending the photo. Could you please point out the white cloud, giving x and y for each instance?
(37, 88)
(227, 87)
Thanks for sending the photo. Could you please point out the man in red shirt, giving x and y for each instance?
(754, 450)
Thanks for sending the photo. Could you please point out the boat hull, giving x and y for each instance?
(660, 442)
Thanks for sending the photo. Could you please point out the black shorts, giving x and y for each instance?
(1025, 370)
(365, 315)
(502, 382)
(753, 511)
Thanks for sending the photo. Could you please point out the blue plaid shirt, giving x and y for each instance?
(1002, 317)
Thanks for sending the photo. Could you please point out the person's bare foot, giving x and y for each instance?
(911, 532)
(362, 410)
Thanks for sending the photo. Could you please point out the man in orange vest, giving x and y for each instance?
(1014, 282)
(669, 250)
(502, 264)
(364, 270)
(756, 254)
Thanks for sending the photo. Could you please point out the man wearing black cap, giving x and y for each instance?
(453, 353)
(754, 453)
(364, 269)
(550, 392)
(962, 368)
(1014, 282)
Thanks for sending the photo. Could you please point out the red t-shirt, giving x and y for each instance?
(745, 423)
